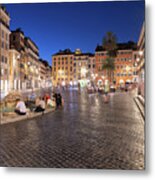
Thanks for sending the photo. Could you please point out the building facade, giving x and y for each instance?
(17, 43)
(48, 76)
(84, 67)
(124, 64)
(71, 68)
(4, 50)
(80, 65)
(62, 67)
(91, 65)
(45, 74)
(14, 73)
(28, 59)
(32, 64)
(140, 61)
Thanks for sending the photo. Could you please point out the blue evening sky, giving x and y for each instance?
(55, 26)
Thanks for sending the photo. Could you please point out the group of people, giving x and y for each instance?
(53, 101)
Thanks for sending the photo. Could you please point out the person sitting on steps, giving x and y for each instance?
(41, 106)
(20, 107)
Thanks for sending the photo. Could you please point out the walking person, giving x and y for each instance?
(59, 99)
(79, 88)
(106, 91)
(55, 96)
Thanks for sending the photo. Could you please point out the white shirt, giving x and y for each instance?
(42, 104)
(21, 106)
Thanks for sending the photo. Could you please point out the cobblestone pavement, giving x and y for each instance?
(86, 133)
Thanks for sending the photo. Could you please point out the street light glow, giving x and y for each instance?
(135, 64)
(83, 71)
(138, 59)
(127, 68)
(63, 83)
(60, 72)
(140, 53)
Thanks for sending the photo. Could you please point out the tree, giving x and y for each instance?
(109, 65)
(110, 45)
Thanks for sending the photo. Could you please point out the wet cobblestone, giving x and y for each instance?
(86, 133)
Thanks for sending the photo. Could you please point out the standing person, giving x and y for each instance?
(79, 87)
(53, 99)
(106, 91)
(59, 99)
(41, 106)
(20, 107)
(55, 96)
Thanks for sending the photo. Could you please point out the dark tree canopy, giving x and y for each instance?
(110, 44)
(108, 64)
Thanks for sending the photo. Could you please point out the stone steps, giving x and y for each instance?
(141, 99)
(140, 102)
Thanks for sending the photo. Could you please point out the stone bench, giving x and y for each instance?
(9, 117)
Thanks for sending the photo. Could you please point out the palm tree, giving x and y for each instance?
(110, 45)
(109, 66)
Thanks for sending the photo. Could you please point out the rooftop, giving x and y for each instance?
(28, 38)
(44, 62)
(69, 52)
(85, 54)
(18, 30)
(64, 52)
(4, 9)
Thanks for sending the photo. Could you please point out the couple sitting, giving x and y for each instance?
(21, 109)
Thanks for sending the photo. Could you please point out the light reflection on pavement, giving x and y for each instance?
(86, 133)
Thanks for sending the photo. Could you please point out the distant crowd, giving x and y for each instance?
(40, 104)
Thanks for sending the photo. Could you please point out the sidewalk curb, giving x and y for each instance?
(25, 117)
